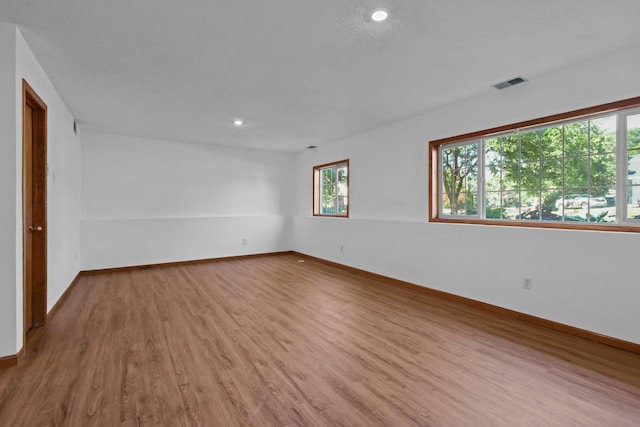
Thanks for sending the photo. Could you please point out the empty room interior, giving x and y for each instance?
(373, 212)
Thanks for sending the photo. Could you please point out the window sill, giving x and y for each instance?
(540, 224)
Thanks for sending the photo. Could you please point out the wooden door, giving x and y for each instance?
(34, 208)
(27, 166)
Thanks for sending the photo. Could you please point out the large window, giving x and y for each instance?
(331, 189)
(574, 170)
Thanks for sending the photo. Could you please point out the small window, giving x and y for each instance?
(331, 189)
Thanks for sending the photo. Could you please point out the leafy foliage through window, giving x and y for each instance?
(331, 189)
(584, 170)
(460, 179)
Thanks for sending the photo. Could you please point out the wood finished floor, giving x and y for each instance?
(269, 341)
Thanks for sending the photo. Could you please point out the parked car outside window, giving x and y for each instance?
(577, 201)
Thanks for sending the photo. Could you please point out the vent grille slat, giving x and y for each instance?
(508, 83)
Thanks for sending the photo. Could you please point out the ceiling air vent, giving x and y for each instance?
(508, 83)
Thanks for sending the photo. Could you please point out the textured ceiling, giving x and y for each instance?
(300, 72)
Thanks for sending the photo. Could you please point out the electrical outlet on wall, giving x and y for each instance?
(244, 242)
(527, 283)
(341, 248)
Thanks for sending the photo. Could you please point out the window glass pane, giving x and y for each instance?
(633, 132)
(493, 154)
(458, 204)
(493, 164)
(343, 189)
(471, 182)
(466, 204)
(530, 146)
(603, 171)
(492, 148)
(530, 205)
(510, 148)
(633, 167)
(529, 215)
(551, 142)
(511, 204)
(599, 209)
(603, 134)
(551, 173)
(576, 142)
(530, 176)
(610, 195)
(471, 204)
(576, 172)
(633, 182)
(574, 204)
(511, 176)
(492, 204)
(551, 211)
(446, 204)
(633, 202)
(492, 178)
(328, 188)
(446, 181)
(460, 175)
(530, 199)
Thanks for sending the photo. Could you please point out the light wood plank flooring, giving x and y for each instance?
(270, 341)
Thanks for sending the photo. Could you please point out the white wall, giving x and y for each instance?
(63, 197)
(150, 201)
(8, 241)
(584, 279)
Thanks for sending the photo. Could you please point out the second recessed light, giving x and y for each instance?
(379, 15)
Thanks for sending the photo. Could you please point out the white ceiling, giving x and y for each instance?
(300, 72)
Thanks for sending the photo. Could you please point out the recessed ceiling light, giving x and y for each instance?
(238, 122)
(379, 15)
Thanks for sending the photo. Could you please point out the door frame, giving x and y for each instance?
(38, 256)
